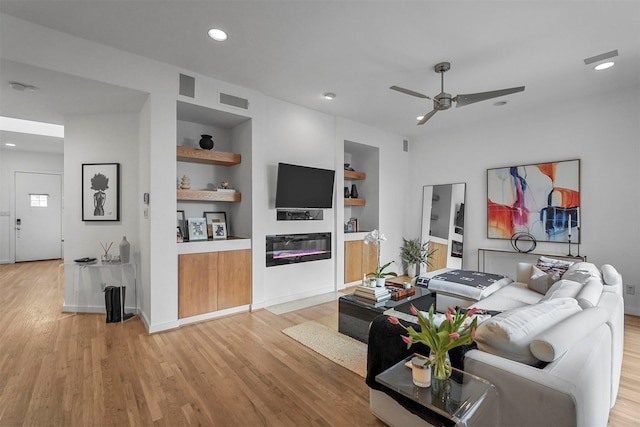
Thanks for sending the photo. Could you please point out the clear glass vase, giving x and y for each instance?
(440, 364)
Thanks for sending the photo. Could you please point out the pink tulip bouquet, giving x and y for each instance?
(455, 330)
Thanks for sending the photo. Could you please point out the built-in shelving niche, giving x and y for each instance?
(229, 160)
(365, 162)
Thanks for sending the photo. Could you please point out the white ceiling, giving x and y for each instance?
(297, 50)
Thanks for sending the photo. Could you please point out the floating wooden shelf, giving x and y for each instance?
(354, 175)
(353, 202)
(210, 157)
(209, 196)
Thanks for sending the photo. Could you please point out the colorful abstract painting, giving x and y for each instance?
(540, 199)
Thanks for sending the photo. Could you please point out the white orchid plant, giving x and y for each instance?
(376, 237)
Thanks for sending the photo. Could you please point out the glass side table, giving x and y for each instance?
(89, 280)
(457, 399)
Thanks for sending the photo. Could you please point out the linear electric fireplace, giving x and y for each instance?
(293, 248)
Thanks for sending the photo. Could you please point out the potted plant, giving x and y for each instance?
(415, 254)
(377, 238)
(380, 274)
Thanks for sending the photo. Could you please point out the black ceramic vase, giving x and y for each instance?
(346, 193)
(354, 191)
(206, 142)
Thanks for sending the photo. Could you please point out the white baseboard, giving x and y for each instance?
(213, 315)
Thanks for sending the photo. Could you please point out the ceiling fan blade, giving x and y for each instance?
(462, 100)
(409, 92)
(427, 117)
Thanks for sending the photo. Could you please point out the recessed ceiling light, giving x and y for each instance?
(329, 95)
(604, 66)
(10, 144)
(217, 34)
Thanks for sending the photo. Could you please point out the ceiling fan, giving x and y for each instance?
(442, 101)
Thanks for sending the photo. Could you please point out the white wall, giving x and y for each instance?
(19, 161)
(304, 137)
(603, 137)
(108, 138)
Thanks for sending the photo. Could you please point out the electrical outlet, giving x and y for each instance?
(631, 289)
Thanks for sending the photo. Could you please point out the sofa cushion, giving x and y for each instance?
(540, 281)
(580, 276)
(585, 267)
(554, 342)
(548, 265)
(611, 276)
(509, 334)
(510, 297)
(562, 289)
(589, 295)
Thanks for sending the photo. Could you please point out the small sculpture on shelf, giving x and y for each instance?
(224, 186)
(354, 191)
(185, 183)
(206, 142)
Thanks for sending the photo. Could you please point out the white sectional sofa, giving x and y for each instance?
(553, 355)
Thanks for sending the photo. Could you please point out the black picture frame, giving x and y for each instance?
(217, 218)
(100, 191)
(181, 224)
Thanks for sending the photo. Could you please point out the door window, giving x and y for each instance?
(38, 200)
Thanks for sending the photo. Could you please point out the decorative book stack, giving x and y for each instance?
(374, 294)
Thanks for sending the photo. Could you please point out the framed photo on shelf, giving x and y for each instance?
(181, 223)
(215, 218)
(101, 191)
(219, 230)
(197, 229)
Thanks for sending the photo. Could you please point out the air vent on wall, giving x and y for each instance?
(187, 86)
(234, 101)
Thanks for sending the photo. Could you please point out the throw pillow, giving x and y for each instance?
(510, 333)
(589, 295)
(541, 281)
(562, 289)
(554, 342)
(611, 276)
(547, 264)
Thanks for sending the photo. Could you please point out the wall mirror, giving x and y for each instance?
(443, 223)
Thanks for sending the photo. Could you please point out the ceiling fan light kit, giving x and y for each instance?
(442, 101)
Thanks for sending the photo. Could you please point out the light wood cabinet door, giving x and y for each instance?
(369, 258)
(197, 284)
(359, 259)
(234, 278)
(352, 260)
(439, 258)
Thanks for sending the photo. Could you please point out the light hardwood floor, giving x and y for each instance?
(76, 370)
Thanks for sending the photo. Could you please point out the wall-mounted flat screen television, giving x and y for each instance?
(304, 187)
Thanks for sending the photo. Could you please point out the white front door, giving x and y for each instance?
(38, 220)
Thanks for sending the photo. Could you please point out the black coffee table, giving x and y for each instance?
(356, 313)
